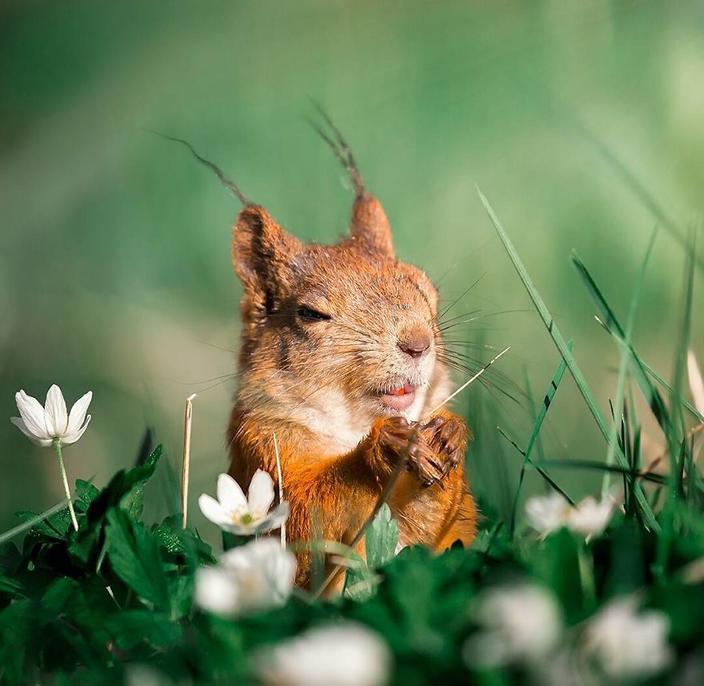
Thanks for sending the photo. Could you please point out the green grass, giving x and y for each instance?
(570, 361)
(121, 247)
(86, 606)
(115, 276)
(535, 435)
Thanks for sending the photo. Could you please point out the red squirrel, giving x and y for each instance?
(341, 359)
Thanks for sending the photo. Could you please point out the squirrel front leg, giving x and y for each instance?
(433, 501)
(332, 498)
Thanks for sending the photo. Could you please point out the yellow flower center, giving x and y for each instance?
(246, 518)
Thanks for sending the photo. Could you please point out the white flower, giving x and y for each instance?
(244, 516)
(629, 644)
(145, 675)
(44, 424)
(547, 513)
(520, 623)
(250, 578)
(588, 518)
(344, 654)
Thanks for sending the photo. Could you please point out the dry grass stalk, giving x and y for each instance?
(391, 482)
(281, 487)
(186, 464)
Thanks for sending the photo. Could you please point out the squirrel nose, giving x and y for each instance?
(414, 342)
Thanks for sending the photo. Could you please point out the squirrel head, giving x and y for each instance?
(333, 326)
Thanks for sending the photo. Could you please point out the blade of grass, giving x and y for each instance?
(676, 440)
(678, 426)
(608, 319)
(601, 467)
(683, 401)
(624, 363)
(534, 434)
(534, 411)
(26, 526)
(398, 469)
(548, 479)
(561, 346)
(638, 188)
(635, 423)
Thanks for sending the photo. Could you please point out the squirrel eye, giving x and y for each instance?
(308, 314)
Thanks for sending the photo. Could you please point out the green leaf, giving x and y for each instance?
(11, 587)
(60, 595)
(563, 348)
(136, 478)
(36, 521)
(381, 538)
(184, 544)
(556, 562)
(132, 627)
(181, 594)
(84, 494)
(381, 541)
(133, 551)
(18, 639)
(126, 489)
(626, 568)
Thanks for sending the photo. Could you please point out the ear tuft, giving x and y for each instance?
(370, 227)
(262, 252)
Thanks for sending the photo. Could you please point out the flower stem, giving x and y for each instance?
(586, 573)
(67, 490)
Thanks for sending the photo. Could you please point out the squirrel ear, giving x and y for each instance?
(370, 227)
(262, 252)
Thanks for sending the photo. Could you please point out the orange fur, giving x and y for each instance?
(321, 382)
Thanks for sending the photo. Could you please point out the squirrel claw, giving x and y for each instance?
(430, 450)
(447, 438)
(398, 440)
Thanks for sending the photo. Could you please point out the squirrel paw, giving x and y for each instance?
(446, 436)
(400, 439)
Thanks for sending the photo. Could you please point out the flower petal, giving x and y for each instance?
(69, 438)
(547, 513)
(264, 571)
(341, 654)
(19, 423)
(230, 494)
(239, 529)
(55, 412)
(590, 517)
(217, 591)
(280, 571)
(273, 520)
(78, 412)
(261, 493)
(32, 414)
(212, 510)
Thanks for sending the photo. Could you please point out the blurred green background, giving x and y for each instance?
(115, 267)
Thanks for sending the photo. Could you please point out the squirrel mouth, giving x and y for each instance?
(400, 398)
